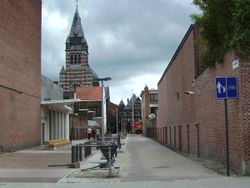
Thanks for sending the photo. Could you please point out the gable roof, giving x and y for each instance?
(89, 93)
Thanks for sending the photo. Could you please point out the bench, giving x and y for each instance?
(57, 143)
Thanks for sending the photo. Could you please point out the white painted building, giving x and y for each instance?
(54, 111)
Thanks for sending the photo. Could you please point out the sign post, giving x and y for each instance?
(226, 88)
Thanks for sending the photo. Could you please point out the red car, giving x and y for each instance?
(137, 127)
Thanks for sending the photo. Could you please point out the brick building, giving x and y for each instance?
(111, 117)
(149, 107)
(20, 69)
(195, 123)
(77, 72)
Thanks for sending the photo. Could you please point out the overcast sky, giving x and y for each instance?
(131, 41)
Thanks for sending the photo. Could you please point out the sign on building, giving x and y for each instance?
(226, 87)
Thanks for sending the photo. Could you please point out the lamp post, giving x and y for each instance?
(74, 84)
(103, 100)
(133, 118)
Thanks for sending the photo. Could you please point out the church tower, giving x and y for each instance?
(77, 72)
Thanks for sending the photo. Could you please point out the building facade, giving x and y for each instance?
(191, 119)
(149, 107)
(132, 111)
(77, 72)
(20, 69)
(55, 112)
(112, 115)
(121, 116)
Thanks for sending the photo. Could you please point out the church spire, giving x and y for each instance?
(77, 1)
(76, 40)
(76, 27)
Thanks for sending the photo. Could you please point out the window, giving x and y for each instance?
(71, 59)
(153, 110)
(79, 58)
(75, 59)
(154, 97)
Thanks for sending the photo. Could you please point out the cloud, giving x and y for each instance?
(131, 41)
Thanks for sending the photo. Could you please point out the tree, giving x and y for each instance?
(225, 25)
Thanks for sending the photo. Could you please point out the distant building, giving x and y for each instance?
(20, 69)
(77, 72)
(121, 116)
(134, 103)
(92, 107)
(149, 107)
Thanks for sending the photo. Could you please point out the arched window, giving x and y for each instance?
(75, 59)
(71, 59)
(79, 58)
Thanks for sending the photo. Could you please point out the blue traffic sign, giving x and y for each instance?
(226, 87)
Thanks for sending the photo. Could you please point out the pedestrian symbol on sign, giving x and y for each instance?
(221, 88)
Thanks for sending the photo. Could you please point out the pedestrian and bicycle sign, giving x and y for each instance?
(226, 87)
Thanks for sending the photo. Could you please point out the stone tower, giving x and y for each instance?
(77, 72)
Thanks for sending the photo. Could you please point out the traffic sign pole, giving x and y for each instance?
(226, 88)
(226, 139)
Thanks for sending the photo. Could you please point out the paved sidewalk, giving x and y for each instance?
(32, 165)
(167, 169)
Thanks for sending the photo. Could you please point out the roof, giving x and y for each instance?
(121, 103)
(60, 104)
(89, 93)
(177, 51)
(63, 101)
(62, 71)
(91, 71)
(134, 99)
(76, 40)
(76, 27)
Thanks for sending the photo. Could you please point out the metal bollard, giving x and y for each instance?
(73, 149)
(86, 151)
(119, 141)
(77, 154)
(109, 161)
(80, 153)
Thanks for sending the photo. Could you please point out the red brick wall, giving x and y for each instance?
(244, 110)
(20, 59)
(78, 127)
(201, 111)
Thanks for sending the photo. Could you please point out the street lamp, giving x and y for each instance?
(74, 84)
(133, 118)
(102, 80)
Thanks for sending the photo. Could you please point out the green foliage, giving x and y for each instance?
(225, 25)
(241, 21)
